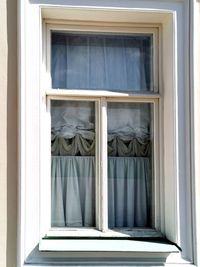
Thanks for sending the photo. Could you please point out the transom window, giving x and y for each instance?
(102, 62)
(104, 129)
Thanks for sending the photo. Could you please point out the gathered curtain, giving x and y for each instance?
(73, 164)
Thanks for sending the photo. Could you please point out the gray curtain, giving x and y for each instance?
(73, 164)
(73, 191)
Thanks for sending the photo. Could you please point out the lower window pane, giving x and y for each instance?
(72, 163)
(129, 165)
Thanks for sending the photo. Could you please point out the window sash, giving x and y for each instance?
(101, 169)
(125, 28)
(120, 62)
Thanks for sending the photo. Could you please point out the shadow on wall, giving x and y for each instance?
(104, 3)
(12, 172)
(64, 2)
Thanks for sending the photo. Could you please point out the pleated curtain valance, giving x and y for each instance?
(85, 147)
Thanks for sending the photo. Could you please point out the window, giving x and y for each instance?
(119, 174)
(103, 110)
(170, 208)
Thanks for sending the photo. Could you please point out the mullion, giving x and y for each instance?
(103, 166)
(98, 171)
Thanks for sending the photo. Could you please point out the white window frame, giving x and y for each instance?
(101, 98)
(173, 18)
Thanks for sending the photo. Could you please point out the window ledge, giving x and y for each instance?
(85, 245)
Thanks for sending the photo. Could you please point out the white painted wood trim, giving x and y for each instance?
(157, 161)
(103, 167)
(115, 233)
(45, 168)
(91, 95)
(120, 28)
(61, 93)
(123, 28)
(97, 160)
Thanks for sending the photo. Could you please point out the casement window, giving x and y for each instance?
(103, 110)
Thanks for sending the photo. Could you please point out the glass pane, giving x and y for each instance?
(102, 62)
(72, 163)
(129, 164)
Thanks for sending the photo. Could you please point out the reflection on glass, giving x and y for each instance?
(72, 163)
(129, 164)
(102, 62)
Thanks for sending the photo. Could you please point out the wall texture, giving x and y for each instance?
(8, 132)
(3, 126)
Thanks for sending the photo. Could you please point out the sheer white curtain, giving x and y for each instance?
(100, 62)
(103, 62)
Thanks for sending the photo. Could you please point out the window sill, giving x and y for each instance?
(95, 245)
(110, 233)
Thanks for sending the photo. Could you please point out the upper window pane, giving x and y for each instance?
(102, 62)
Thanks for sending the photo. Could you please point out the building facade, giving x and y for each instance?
(135, 65)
